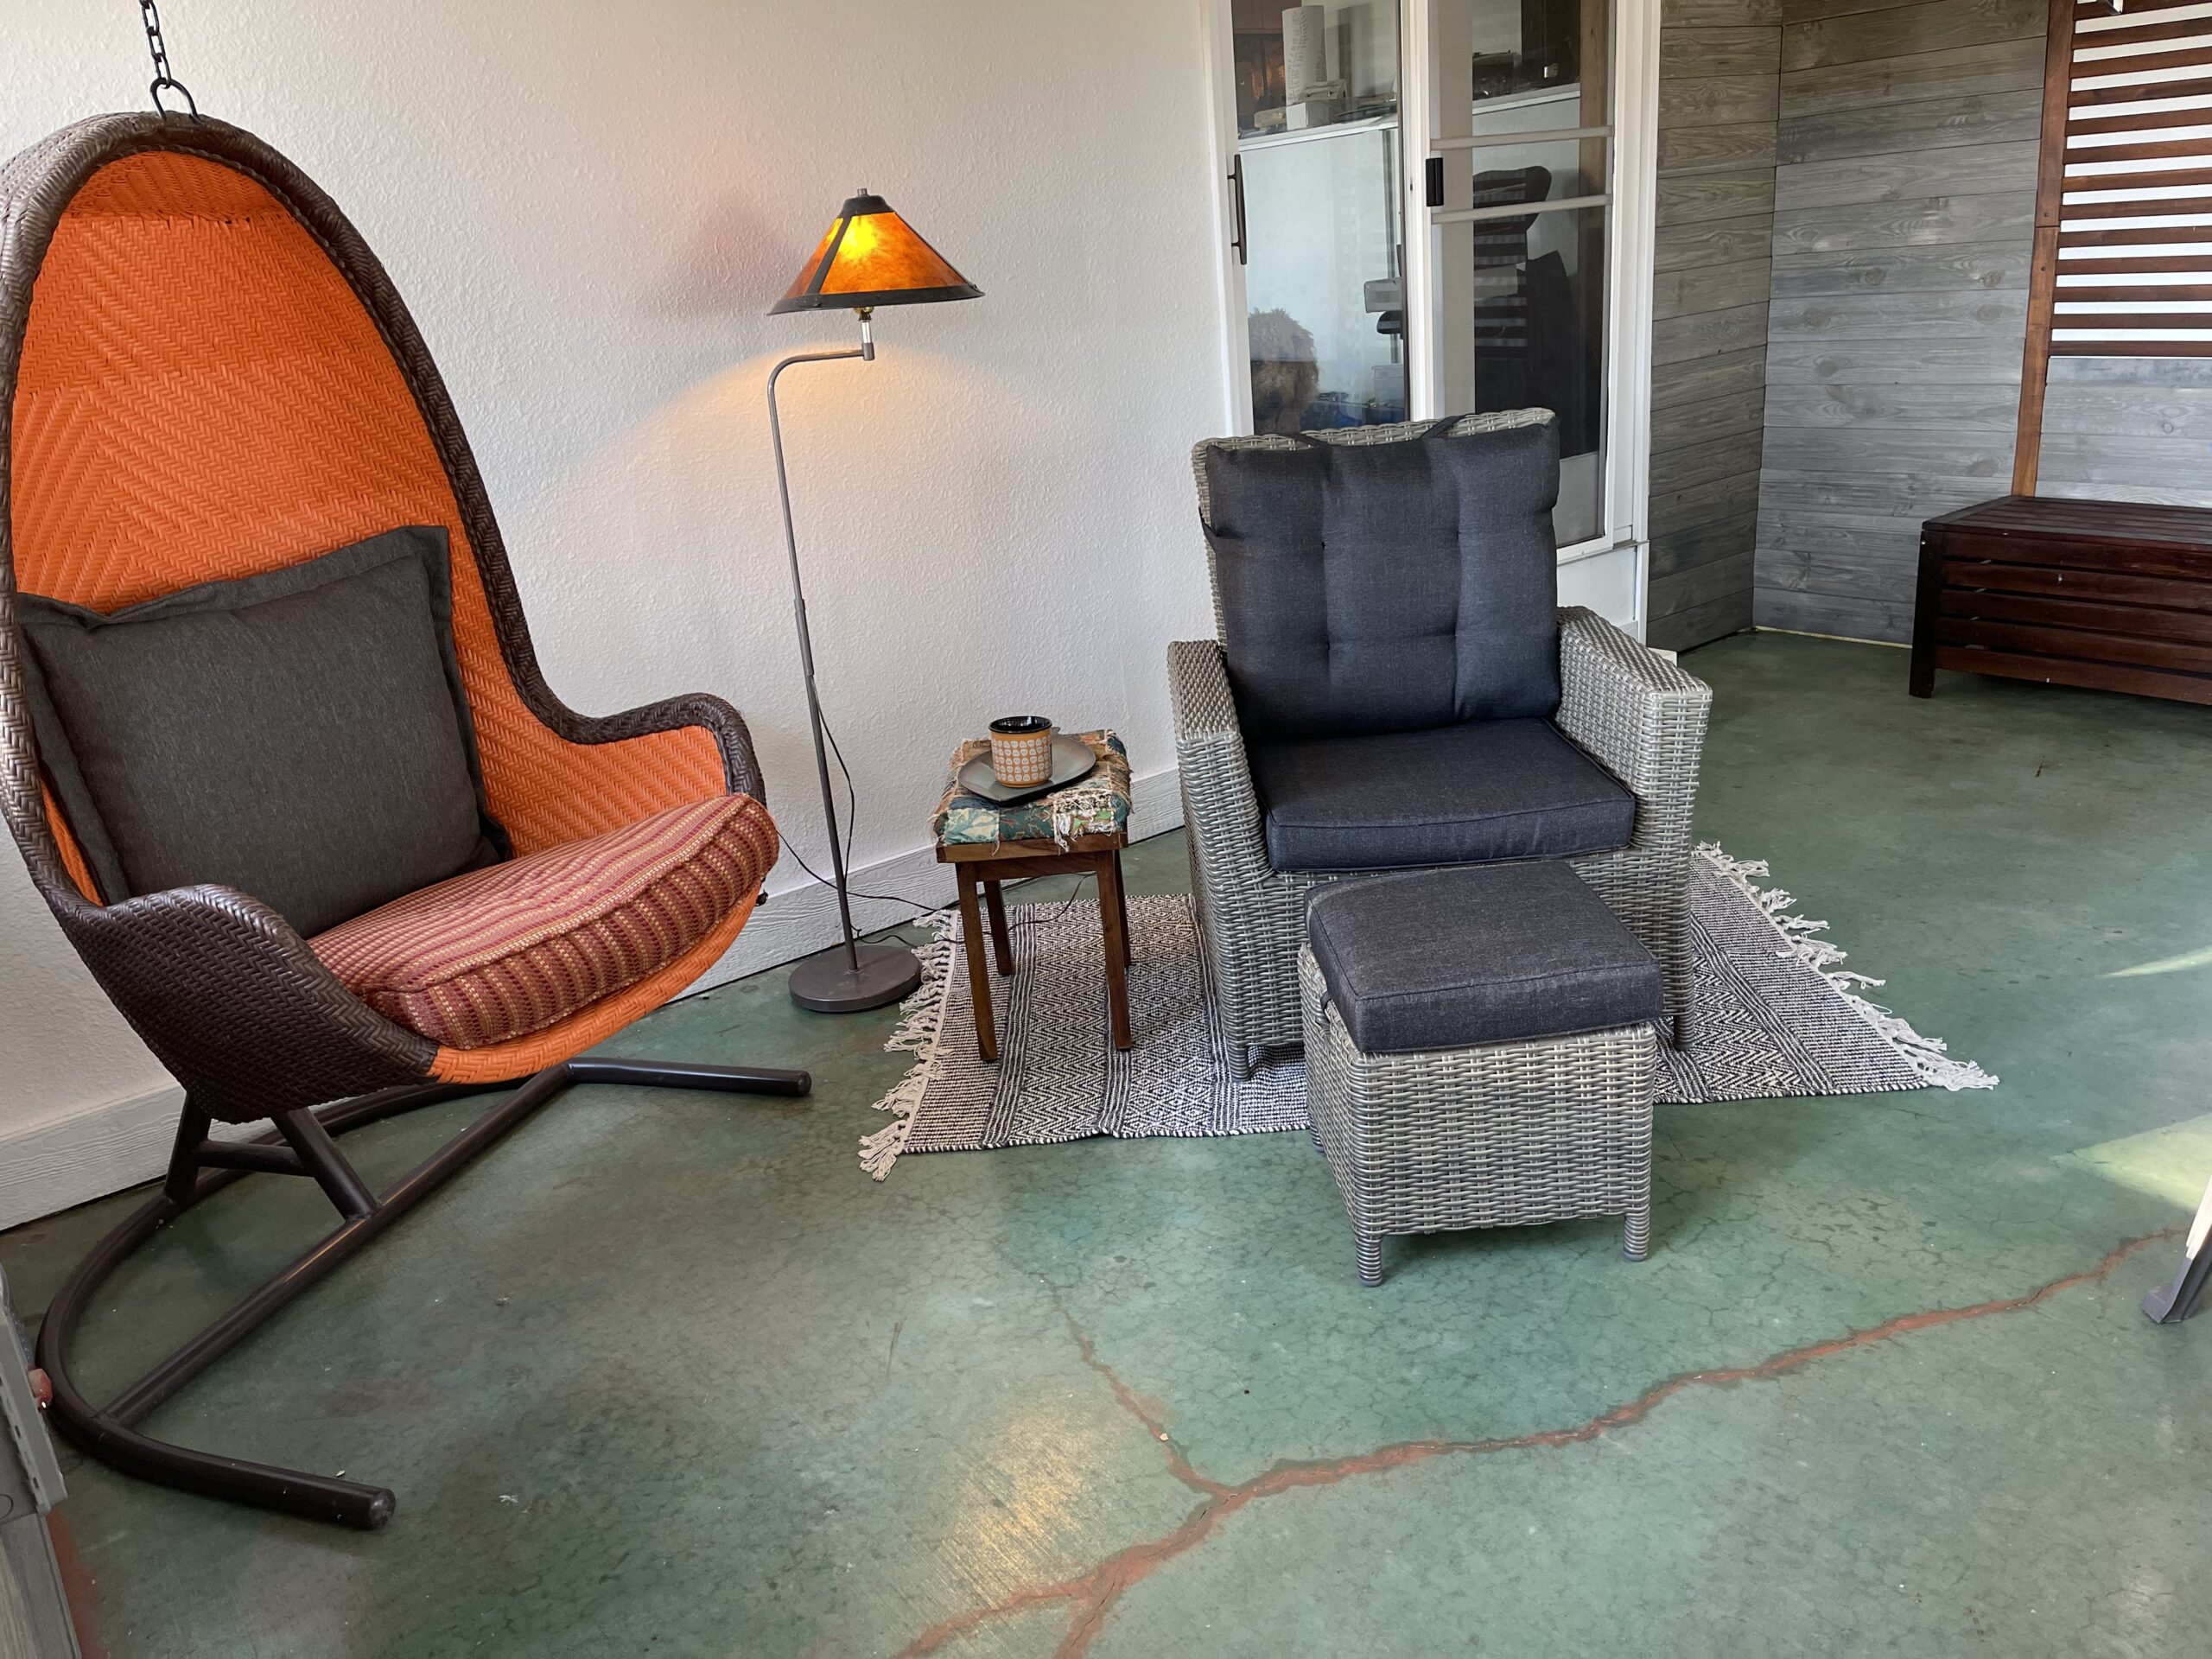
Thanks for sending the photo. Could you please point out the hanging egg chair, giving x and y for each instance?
(209, 383)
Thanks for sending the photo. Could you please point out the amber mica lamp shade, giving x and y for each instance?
(872, 257)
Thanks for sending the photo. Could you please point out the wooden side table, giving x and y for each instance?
(1079, 830)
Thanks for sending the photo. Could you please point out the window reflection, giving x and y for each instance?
(1317, 89)
(1299, 67)
(1537, 279)
(1523, 46)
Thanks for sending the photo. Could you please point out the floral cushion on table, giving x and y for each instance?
(1094, 805)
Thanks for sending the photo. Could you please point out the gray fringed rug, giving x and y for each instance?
(1775, 1017)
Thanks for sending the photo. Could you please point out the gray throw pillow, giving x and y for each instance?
(1390, 587)
(300, 735)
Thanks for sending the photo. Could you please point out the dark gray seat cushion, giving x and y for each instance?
(1388, 587)
(1457, 795)
(1500, 953)
(300, 735)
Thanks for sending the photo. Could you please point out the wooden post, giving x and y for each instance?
(2042, 275)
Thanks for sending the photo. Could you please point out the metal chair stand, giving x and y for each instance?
(302, 1143)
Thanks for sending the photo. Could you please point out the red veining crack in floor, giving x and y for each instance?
(1091, 1596)
(1150, 1413)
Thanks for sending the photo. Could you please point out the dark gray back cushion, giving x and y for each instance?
(1388, 587)
(300, 735)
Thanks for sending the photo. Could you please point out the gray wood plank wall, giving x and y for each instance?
(1904, 201)
(1841, 294)
(2128, 428)
(1717, 69)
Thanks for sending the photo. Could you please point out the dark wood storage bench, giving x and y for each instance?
(2112, 595)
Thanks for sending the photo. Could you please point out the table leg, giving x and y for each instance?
(1112, 923)
(1121, 899)
(1002, 941)
(979, 979)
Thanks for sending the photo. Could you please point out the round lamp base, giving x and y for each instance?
(829, 983)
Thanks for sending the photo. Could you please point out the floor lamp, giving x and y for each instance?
(870, 258)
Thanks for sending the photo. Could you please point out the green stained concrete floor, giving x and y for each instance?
(665, 1373)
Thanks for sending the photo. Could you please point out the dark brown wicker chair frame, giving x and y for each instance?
(224, 993)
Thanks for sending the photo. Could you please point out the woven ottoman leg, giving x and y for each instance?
(1370, 1257)
(1636, 1243)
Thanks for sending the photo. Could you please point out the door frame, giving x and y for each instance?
(1222, 161)
(1631, 234)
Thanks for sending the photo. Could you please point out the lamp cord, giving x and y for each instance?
(923, 905)
(150, 15)
(852, 812)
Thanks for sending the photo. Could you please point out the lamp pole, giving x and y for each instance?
(858, 975)
(871, 257)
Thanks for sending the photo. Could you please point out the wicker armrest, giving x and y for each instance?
(741, 765)
(1638, 714)
(1216, 778)
(289, 1033)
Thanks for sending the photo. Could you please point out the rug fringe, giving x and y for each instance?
(1926, 1055)
(922, 1019)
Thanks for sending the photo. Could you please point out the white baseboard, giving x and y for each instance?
(84, 1152)
(89, 1150)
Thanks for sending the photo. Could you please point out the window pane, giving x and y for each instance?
(1509, 173)
(1299, 67)
(1538, 64)
(1521, 295)
(1323, 280)
(1539, 339)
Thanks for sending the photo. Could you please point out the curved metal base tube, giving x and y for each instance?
(109, 1432)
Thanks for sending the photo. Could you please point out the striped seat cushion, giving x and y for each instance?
(497, 953)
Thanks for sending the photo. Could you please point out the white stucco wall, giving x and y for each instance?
(590, 207)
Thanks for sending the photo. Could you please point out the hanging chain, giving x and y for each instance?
(162, 78)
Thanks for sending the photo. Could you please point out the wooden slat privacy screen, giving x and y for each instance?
(2123, 248)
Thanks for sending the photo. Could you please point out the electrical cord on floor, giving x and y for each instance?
(1044, 921)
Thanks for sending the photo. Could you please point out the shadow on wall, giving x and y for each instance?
(737, 259)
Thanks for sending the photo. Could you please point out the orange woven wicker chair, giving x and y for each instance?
(207, 375)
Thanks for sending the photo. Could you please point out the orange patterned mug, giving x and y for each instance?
(1021, 750)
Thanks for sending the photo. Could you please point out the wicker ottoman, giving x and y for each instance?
(1479, 1052)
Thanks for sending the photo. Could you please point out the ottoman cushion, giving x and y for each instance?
(1485, 953)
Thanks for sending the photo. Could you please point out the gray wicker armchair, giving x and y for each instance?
(1640, 716)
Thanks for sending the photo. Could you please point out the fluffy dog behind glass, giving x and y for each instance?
(1285, 375)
